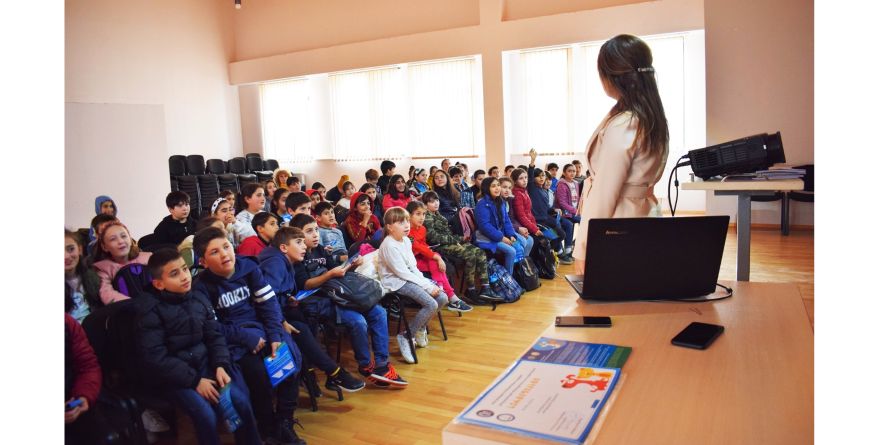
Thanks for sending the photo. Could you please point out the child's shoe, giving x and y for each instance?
(285, 434)
(486, 293)
(388, 375)
(421, 338)
(405, 348)
(366, 371)
(566, 258)
(342, 379)
(457, 305)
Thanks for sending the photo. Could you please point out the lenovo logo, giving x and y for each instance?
(615, 232)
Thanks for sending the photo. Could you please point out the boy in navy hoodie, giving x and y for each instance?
(184, 353)
(253, 327)
(287, 247)
(372, 325)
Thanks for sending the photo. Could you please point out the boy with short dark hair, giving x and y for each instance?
(372, 325)
(251, 321)
(478, 178)
(287, 248)
(184, 355)
(552, 168)
(175, 227)
(493, 171)
(265, 225)
(387, 170)
(298, 203)
(331, 238)
(293, 183)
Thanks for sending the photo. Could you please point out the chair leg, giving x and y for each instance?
(443, 327)
(310, 381)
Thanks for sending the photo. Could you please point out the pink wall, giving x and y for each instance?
(489, 38)
(166, 53)
(760, 77)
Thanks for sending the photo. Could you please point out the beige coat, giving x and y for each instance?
(621, 179)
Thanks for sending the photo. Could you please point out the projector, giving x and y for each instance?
(745, 155)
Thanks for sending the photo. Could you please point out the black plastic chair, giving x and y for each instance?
(271, 164)
(209, 191)
(237, 166)
(195, 165)
(177, 165)
(226, 181)
(808, 192)
(777, 196)
(394, 300)
(253, 155)
(190, 185)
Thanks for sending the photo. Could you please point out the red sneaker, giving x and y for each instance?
(388, 375)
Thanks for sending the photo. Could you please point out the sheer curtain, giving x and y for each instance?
(368, 114)
(442, 108)
(288, 131)
(547, 100)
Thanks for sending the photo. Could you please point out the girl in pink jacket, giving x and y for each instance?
(116, 248)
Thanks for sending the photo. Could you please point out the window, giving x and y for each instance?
(554, 99)
(289, 132)
(423, 109)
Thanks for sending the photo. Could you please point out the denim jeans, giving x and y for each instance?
(205, 415)
(361, 326)
(510, 253)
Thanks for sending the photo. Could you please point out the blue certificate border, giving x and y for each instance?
(581, 438)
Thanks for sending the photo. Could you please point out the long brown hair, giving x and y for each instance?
(100, 253)
(625, 63)
(447, 188)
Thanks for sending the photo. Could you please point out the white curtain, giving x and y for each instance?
(288, 130)
(442, 111)
(368, 114)
(547, 100)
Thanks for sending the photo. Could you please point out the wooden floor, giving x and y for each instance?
(483, 343)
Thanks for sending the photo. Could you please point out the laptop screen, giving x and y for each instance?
(653, 258)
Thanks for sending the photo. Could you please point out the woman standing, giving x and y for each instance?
(627, 153)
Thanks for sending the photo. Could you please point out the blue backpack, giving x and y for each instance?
(503, 283)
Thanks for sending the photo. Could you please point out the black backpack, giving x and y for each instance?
(354, 291)
(526, 274)
(133, 280)
(543, 257)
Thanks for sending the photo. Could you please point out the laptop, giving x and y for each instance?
(651, 258)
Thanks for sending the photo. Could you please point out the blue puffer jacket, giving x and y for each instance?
(492, 223)
(539, 197)
(278, 272)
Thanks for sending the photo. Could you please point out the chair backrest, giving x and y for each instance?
(809, 177)
(271, 164)
(237, 165)
(177, 165)
(196, 165)
(254, 164)
(253, 155)
(215, 166)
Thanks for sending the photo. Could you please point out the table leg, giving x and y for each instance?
(743, 228)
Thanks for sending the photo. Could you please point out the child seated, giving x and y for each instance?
(95, 226)
(331, 238)
(176, 226)
(438, 232)
(186, 248)
(362, 220)
(544, 214)
(363, 327)
(429, 261)
(104, 205)
(298, 203)
(293, 184)
(115, 250)
(265, 225)
(278, 206)
(276, 260)
(494, 230)
(250, 202)
(81, 282)
(397, 267)
(184, 356)
(84, 423)
(250, 318)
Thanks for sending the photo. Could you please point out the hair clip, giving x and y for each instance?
(647, 69)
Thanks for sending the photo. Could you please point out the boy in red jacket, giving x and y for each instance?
(83, 382)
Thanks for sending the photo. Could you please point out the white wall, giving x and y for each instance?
(168, 53)
(760, 79)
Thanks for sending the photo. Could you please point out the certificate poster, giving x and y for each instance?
(554, 350)
(545, 400)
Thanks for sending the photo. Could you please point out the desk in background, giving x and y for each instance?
(754, 385)
(744, 190)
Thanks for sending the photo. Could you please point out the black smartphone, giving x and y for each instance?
(578, 321)
(698, 335)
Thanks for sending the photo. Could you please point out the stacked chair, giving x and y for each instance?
(203, 180)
